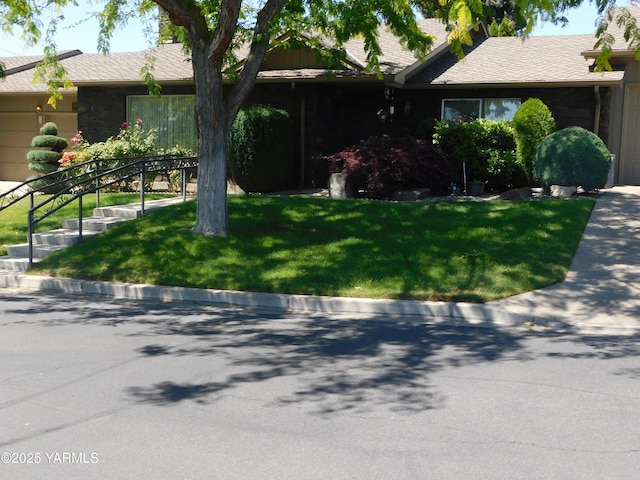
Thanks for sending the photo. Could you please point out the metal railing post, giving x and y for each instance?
(80, 218)
(97, 174)
(30, 229)
(30, 235)
(144, 166)
(183, 184)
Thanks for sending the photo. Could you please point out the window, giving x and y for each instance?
(173, 117)
(472, 108)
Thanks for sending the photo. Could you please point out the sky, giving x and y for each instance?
(82, 35)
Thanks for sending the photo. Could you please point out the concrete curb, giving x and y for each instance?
(430, 312)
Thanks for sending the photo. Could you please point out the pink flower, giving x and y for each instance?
(139, 121)
(124, 125)
(67, 157)
(74, 140)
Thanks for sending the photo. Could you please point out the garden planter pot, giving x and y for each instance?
(475, 188)
(340, 186)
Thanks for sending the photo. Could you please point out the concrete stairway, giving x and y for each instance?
(45, 243)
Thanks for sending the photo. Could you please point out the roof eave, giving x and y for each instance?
(538, 84)
(624, 54)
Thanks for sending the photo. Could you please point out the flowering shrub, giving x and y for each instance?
(132, 141)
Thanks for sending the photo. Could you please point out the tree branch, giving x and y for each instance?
(257, 52)
(185, 13)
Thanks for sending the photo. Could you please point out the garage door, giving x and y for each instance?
(16, 132)
(630, 152)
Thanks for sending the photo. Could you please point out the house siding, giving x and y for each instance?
(102, 110)
(325, 117)
(570, 106)
(328, 116)
(19, 123)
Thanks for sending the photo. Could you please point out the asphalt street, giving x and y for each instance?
(96, 388)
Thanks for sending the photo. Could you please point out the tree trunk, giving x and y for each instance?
(211, 212)
(213, 132)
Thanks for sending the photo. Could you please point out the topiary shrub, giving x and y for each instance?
(532, 122)
(261, 149)
(572, 156)
(383, 165)
(46, 161)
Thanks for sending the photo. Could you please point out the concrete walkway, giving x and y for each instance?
(601, 293)
(602, 289)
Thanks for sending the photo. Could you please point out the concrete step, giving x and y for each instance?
(15, 264)
(45, 243)
(134, 210)
(93, 224)
(39, 251)
(60, 237)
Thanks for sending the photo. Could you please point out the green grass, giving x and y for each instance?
(13, 220)
(447, 250)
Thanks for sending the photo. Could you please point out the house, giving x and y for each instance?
(334, 107)
(24, 109)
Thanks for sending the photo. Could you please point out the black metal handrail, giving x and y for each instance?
(74, 182)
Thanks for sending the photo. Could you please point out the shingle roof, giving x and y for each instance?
(515, 61)
(494, 61)
(19, 72)
(620, 45)
(395, 57)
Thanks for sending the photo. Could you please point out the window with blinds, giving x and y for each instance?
(172, 116)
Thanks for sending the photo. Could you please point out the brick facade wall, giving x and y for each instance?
(340, 114)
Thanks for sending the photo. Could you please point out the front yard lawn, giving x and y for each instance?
(440, 250)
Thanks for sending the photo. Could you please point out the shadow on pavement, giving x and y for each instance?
(335, 363)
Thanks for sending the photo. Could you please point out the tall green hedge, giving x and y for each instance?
(261, 149)
(487, 149)
(532, 122)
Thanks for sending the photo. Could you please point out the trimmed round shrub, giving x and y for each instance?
(44, 156)
(49, 128)
(261, 149)
(43, 168)
(46, 161)
(57, 144)
(532, 122)
(572, 156)
(383, 165)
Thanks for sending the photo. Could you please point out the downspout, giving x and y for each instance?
(596, 120)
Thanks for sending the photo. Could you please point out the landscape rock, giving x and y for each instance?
(560, 191)
(516, 194)
(411, 195)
